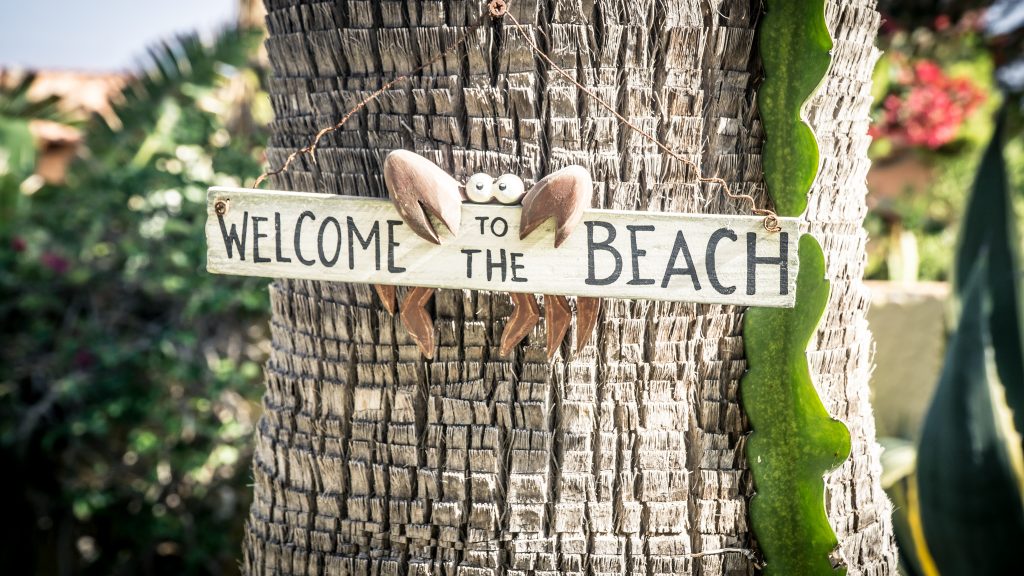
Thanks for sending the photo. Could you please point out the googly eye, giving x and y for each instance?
(479, 188)
(509, 189)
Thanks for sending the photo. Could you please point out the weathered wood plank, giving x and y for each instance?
(612, 254)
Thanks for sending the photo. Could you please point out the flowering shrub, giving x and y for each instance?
(925, 107)
(129, 377)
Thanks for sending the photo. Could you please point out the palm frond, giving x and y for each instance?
(15, 102)
(168, 70)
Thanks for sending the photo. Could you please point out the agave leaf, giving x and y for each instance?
(989, 227)
(968, 459)
(899, 463)
(794, 440)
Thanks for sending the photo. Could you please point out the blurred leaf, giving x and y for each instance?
(881, 78)
(16, 103)
(17, 162)
(17, 148)
(989, 231)
(1004, 17)
(969, 474)
(899, 460)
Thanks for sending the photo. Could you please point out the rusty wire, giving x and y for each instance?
(498, 9)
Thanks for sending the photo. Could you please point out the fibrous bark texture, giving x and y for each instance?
(623, 457)
(841, 357)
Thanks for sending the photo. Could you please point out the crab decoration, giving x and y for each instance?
(419, 187)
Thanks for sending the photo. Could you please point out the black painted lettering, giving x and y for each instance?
(671, 270)
(329, 262)
(492, 265)
(717, 237)
(637, 253)
(483, 224)
(277, 239)
(354, 236)
(392, 268)
(495, 227)
(604, 246)
(298, 237)
(753, 260)
(232, 237)
(256, 239)
(516, 267)
(469, 260)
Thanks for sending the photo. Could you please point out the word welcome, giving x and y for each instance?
(611, 254)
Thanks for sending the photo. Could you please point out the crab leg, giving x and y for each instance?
(417, 320)
(557, 318)
(587, 310)
(387, 297)
(524, 317)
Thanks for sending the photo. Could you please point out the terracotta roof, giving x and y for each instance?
(80, 93)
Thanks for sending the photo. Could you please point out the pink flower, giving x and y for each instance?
(84, 359)
(928, 72)
(18, 244)
(929, 108)
(55, 262)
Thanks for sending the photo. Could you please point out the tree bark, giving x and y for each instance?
(626, 457)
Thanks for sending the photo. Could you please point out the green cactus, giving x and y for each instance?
(796, 51)
(794, 440)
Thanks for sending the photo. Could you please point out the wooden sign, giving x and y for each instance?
(610, 254)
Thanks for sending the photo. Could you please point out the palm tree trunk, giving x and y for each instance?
(626, 457)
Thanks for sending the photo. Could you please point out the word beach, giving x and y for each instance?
(612, 254)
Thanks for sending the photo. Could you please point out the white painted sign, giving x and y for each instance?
(611, 254)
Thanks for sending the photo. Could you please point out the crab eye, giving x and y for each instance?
(509, 189)
(479, 188)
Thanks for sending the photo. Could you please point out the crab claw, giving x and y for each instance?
(525, 316)
(387, 297)
(562, 195)
(587, 310)
(417, 186)
(557, 318)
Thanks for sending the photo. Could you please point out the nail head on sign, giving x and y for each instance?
(220, 207)
(497, 8)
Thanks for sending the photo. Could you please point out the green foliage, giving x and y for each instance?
(18, 150)
(970, 466)
(795, 49)
(127, 398)
(794, 440)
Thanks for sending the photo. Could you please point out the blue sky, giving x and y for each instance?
(98, 35)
